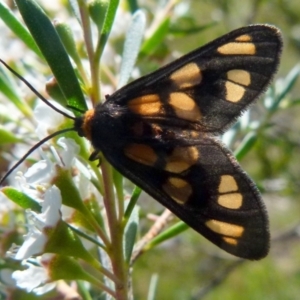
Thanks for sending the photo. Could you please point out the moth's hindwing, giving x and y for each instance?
(205, 187)
(158, 131)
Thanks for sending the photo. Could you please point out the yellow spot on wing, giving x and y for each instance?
(187, 76)
(178, 182)
(181, 159)
(237, 49)
(227, 184)
(224, 228)
(231, 201)
(230, 241)
(244, 38)
(145, 105)
(141, 153)
(185, 107)
(234, 92)
(178, 189)
(239, 76)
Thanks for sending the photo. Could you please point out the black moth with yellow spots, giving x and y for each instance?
(160, 132)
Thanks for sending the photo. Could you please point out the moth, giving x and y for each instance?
(161, 132)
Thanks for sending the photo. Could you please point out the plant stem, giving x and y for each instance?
(115, 252)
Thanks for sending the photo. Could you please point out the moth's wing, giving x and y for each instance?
(205, 187)
(211, 86)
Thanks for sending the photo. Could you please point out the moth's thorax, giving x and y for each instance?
(83, 124)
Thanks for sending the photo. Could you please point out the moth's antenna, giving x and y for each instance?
(36, 92)
(41, 142)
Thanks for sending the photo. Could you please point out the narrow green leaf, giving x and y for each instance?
(83, 290)
(18, 28)
(130, 233)
(108, 22)
(132, 202)
(180, 31)
(152, 287)
(167, 234)
(156, 38)
(8, 88)
(132, 45)
(21, 199)
(66, 35)
(53, 50)
(245, 146)
(286, 86)
(7, 137)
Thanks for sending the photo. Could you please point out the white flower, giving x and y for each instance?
(30, 278)
(71, 149)
(34, 244)
(40, 172)
(33, 279)
(36, 238)
(51, 207)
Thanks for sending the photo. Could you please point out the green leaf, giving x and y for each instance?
(276, 94)
(97, 10)
(21, 199)
(167, 234)
(246, 145)
(130, 233)
(66, 35)
(132, 202)
(18, 28)
(68, 268)
(54, 52)
(156, 38)
(63, 240)
(178, 30)
(152, 287)
(69, 192)
(286, 86)
(83, 290)
(8, 88)
(7, 137)
(108, 22)
(132, 45)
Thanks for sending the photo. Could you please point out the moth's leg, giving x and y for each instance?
(96, 155)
